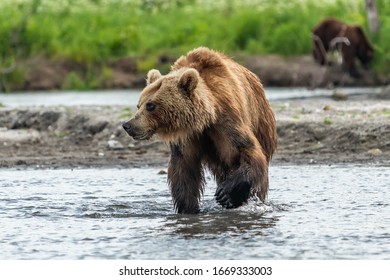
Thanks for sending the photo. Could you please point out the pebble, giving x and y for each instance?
(114, 145)
(375, 152)
(340, 95)
(19, 136)
(327, 108)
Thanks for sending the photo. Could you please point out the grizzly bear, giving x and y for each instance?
(213, 113)
(334, 35)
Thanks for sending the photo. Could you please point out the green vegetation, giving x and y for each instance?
(74, 81)
(91, 80)
(327, 121)
(61, 134)
(386, 113)
(125, 113)
(14, 77)
(93, 31)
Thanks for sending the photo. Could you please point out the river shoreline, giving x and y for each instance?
(310, 131)
(42, 73)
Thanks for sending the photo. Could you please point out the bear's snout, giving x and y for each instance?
(129, 128)
(135, 130)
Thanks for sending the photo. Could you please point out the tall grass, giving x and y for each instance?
(91, 31)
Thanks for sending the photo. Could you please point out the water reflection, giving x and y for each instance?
(211, 225)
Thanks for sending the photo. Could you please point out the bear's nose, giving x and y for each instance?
(127, 127)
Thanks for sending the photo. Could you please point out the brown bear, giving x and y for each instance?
(334, 35)
(213, 113)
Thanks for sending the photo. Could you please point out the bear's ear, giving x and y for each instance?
(188, 81)
(153, 75)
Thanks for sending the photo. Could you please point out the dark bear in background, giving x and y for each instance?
(334, 35)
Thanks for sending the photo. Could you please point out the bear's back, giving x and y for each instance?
(218, 71)
(203, 60)
(236, 90)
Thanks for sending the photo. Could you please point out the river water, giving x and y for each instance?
(313, 212)
(130, 97)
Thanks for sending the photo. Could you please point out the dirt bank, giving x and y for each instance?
(41, 73)
(310, 131)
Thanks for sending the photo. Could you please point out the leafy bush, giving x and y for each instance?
(91, 31)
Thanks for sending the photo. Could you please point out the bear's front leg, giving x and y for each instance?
(186, 179)
(233, 193)
(249, 178)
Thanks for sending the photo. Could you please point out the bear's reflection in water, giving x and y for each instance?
(211, 224)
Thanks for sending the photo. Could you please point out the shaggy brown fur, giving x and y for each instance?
(213, 113)
(330, 35)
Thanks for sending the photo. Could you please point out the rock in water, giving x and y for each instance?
(339, 95)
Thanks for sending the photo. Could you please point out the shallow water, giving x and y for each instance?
(313, 212)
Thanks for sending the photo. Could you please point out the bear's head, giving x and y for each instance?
(174, 106)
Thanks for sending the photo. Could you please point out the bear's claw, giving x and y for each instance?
(232, 195)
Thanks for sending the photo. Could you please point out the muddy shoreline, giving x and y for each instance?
(310, 131)
(42, 73)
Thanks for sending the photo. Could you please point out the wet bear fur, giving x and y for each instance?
(213, 113)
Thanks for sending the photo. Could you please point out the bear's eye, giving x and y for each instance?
(150, 107)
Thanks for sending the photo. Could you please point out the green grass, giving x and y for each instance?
(328, 121)
(125, 114)
(92, 31)
(61, 134)
(14, 78)
(386, 113)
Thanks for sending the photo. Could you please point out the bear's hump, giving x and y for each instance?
(201, 59)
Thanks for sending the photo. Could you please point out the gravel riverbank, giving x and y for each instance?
(323, 131)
